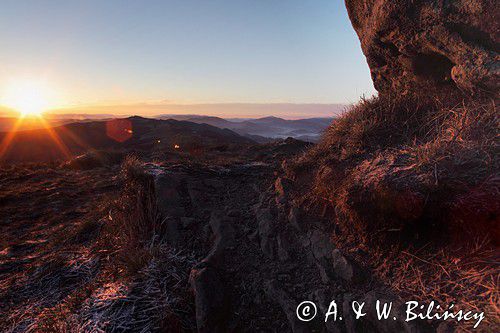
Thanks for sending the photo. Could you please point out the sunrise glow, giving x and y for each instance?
(28, 97)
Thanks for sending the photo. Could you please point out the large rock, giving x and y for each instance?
(435, 45)
(277, 294)
(210, 298)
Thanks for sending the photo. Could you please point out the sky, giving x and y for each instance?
(183, 52)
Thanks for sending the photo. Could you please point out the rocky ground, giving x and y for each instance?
(234, 252)
(262, 255)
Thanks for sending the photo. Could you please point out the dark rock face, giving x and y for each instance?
(210, 300)
(436, 45)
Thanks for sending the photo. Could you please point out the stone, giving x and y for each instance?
(288, 305)
(222, 229)
(346, 269)
(321, 250)
(266, 227)
(210, 299)
(293, 218)
(187, 221)
(283, 248)
(321, 245)
(168, 197)
(439, 46)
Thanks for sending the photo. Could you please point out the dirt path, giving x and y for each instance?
(262, 255)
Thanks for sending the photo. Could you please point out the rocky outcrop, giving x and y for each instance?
(440, 46)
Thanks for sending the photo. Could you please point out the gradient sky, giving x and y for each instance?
(185, 51)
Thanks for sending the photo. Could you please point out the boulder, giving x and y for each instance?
(222, 228)
(170, 202)
(276, 293)
(210, 298)
(267, 232)
(440, 46)
(321, 252)
(347, 269)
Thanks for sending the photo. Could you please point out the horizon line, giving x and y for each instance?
(289, 110)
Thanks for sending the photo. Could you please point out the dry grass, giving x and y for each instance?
(43, 289)
(412, 184)
(409, 165)
(135, 224)
(75, 296)
(468, 276)
(446, 276)
(155, 297)
(114, 273)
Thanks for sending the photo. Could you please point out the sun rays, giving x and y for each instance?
(31, 98)
(6, 142)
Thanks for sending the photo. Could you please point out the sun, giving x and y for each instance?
(28, 97)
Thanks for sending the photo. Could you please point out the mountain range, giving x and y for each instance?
(264, 129)
(258, 129)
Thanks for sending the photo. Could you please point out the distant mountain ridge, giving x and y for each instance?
(308, 129)
(224, 110)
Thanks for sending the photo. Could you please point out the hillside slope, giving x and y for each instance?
(129, 134)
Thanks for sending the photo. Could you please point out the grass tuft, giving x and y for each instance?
(422, 167)
(413, 183)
